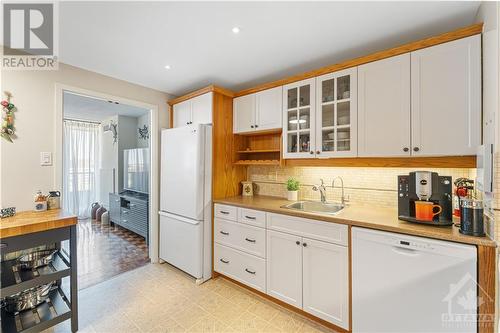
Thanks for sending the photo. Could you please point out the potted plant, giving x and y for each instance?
(292, 185)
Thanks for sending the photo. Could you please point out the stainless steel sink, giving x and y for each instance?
(315, 207)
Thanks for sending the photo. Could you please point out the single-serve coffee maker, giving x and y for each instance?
(425, 197)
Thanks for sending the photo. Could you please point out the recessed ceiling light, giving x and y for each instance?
(236, 30)
(167, 66)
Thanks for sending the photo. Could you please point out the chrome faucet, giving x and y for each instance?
(322, 190)
(342, 199)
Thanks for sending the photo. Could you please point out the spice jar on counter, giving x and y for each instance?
(40, 201)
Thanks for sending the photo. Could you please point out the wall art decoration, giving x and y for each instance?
(144, 133)
(8, 131)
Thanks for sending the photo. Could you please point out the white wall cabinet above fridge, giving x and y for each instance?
(194, 111)
(257, 112)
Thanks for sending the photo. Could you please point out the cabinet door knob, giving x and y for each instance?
(304, 244)
(187, 122)
(416, 149)
(297, 242)
(311, 152)
(405, 149)
(251, 126)
(318, 152)
(256, 126)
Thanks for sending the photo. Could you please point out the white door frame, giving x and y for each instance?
(154, 145)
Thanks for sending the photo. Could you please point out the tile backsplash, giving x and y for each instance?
(361, 185)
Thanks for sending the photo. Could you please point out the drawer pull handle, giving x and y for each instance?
(224, 233)
(3, 245)
(250, 240)
(250, 217)
(224, 212)
(249, 271)
(224, 261)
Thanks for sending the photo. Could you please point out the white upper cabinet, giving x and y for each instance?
(244, 114)
(201, 110)
(268, 111)
(182, 113)
(257, 112)
(197, 110)
(326, 281)
(336, 114)
(446, 98)
(384, 107)
(299, 100)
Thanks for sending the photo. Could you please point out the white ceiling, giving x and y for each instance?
(133, 41)
(92, 109)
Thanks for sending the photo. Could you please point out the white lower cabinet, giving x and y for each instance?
(284, 267)
(325, 281)
(299, 261)
(240, 266)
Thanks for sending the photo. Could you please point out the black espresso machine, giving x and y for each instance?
(425, 186)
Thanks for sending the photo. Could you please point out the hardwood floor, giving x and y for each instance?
(107, 250)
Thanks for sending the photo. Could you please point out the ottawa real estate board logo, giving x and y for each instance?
(29, 36)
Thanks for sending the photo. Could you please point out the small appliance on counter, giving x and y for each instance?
(471, 217)
(425, 197)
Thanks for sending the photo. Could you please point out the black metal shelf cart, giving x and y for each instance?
(59, 306)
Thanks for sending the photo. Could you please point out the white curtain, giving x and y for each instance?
(80, 166)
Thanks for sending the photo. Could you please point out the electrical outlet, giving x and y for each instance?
(45, 158)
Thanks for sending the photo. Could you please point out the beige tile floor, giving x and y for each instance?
(160, 298)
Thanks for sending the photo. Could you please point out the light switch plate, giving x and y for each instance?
(45, 158)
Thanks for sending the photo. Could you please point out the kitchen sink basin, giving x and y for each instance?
(315, 207)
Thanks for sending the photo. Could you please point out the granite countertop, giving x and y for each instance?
(30, 221)
(367, 216)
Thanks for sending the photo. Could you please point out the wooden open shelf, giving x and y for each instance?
(255, 151)
(259, 149)
(257, 162)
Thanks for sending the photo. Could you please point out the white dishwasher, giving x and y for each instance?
(405, 284)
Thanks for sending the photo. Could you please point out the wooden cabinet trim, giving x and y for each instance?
(210, 88)
(405, 48)
(392, 162)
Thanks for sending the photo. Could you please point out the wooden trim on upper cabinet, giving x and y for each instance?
(486, 277)
(405, 48)
(170, 116)
(210, 88)
(393, 162)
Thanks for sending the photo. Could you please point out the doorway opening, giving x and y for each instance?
(106, 168)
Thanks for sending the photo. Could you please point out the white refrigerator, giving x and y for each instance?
(186, 199)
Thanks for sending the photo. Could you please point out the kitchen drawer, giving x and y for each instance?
(242, 237)
(226, 212)
(252, 217)
(324, 231)
(240, 266)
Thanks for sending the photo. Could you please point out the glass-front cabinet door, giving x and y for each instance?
(336, 114)
(299, 99)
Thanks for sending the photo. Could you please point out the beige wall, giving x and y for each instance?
(362, 185)
(34, 95)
